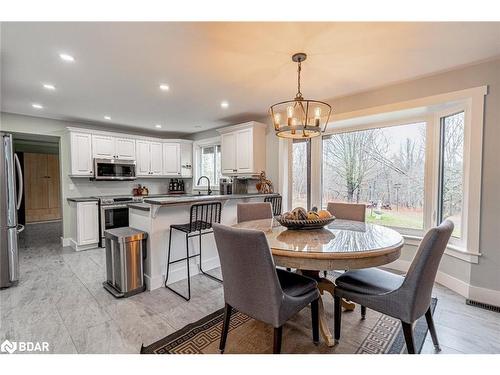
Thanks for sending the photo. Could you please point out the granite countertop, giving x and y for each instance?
(82, 199)
(165, 201)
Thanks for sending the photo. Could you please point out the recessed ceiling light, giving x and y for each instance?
(107, 117)
(48, 86)
(224, 104)
(37, 106)
(164, 87)
(66, 57)
(158, 126)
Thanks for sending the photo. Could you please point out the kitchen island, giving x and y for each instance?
(155, 215)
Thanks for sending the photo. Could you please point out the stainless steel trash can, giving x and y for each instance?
(125, 253)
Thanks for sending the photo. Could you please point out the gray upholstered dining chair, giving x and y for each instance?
(254, 286)
(347, 211)
(406, 298)
(254, 211)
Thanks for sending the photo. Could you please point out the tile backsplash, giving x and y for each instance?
(80, 187)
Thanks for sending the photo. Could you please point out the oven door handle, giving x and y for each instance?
(115, 206)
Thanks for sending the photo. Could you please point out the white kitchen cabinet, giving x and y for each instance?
(171, 159)
(143, 158)
(149, 158)
(228, 153)
(186, 160)
(103, 147)
(243, 149)
(84, 225)
(108, 147)
(81, 154)
(125, 148)
(156, 158)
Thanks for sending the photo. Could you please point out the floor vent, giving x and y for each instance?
(483, 305)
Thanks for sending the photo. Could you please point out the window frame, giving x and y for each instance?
(308, 172)
(429, 129)
(473, 99)
(197, 149)
(456, 243)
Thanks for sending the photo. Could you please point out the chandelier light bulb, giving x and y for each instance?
(317, 116)
(277, 119)
(289, 114)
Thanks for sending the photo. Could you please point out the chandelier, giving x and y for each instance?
(300, 118)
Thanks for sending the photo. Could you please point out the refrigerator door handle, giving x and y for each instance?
(20, 187)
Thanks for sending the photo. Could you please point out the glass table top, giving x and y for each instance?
(341, 236)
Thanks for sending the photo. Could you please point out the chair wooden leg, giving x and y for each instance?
(363, 312)
(408, 333)
(278, 333)
(225, 327)
(337, 302)
(432, 329)
(315, 320)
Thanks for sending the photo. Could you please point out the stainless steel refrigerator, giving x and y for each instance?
(11, 192)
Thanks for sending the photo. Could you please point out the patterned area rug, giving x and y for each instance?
(377, 334)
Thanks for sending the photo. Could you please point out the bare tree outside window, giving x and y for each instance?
(383, 168)
(451, 170)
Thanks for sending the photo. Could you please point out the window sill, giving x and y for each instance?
(451, 250)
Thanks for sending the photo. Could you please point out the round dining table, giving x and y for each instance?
(342, 245)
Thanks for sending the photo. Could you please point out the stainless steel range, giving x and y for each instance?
(113, 212)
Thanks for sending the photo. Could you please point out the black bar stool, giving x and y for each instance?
(202, 216)
(276, 203)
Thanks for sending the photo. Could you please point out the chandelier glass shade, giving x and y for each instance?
(300, 118)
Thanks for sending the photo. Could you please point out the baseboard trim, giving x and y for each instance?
(76, 247)
(488, 296)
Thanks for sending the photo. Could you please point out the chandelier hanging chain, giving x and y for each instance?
(299, 94)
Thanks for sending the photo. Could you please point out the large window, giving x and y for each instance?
(451, 167)
(301, 174)
(209, 164)
(382, 168)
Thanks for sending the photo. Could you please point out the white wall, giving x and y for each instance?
(77, 187)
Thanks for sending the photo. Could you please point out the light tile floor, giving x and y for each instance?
(60, 299)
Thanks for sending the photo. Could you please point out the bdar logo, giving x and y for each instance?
(9, 347)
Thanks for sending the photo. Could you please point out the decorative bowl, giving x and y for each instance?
(305, 224)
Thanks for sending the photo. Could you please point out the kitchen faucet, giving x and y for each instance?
(209, 191)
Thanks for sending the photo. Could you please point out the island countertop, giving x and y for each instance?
(175, 200)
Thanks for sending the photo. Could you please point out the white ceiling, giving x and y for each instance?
(119, 66)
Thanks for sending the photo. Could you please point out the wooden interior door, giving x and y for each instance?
(42, 184)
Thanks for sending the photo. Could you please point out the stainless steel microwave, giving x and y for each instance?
(114, 169)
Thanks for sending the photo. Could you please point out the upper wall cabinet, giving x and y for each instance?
(172, 159)
(108, 147)
(81, 154)
(243, 149)
(155, 157)
(149, 158)
(186, 160)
